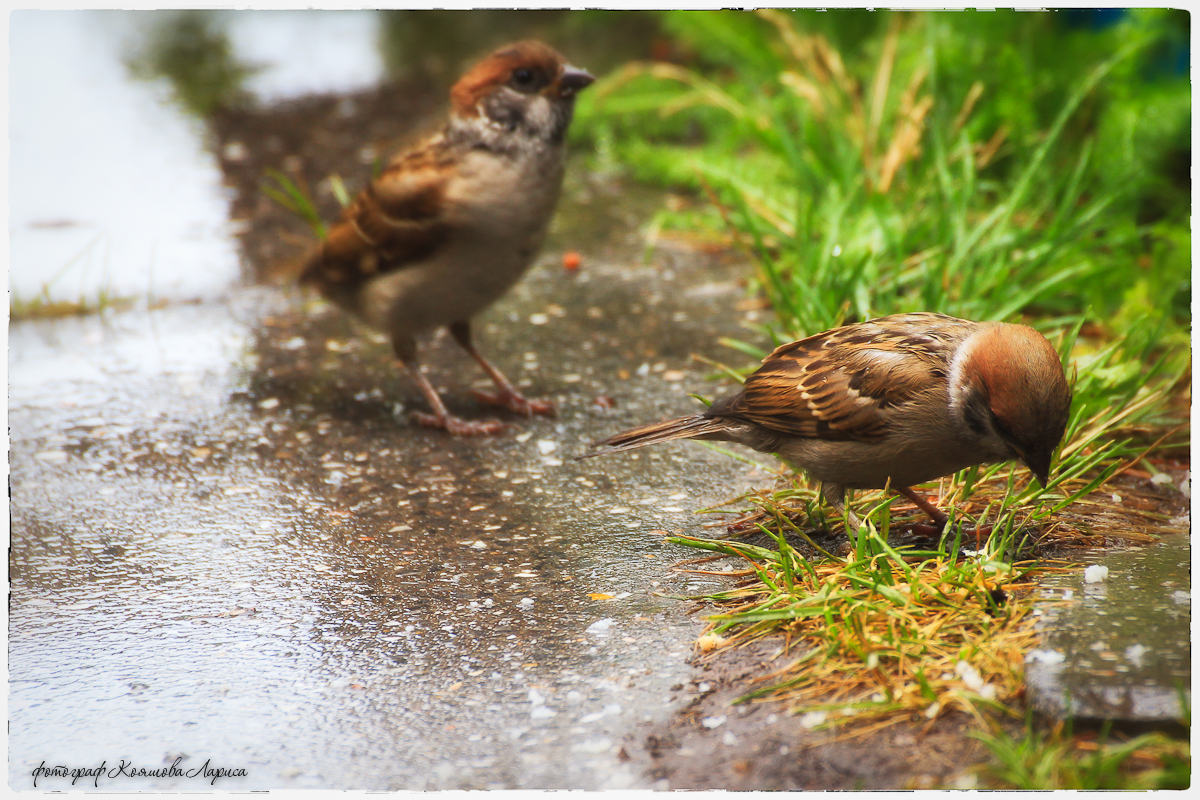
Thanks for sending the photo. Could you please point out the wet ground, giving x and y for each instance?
(1117, 641)
(229, 545)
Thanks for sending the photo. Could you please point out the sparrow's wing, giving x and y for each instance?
(394, 222)
(841, 384)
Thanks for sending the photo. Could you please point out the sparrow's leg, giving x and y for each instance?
(440, 418)
(507, 396)
(939, 517)
(936, 514)
(835, 495)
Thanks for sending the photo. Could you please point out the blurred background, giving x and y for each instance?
(879, 142)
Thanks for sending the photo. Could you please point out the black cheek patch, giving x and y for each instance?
(974, 414)
(999, 427)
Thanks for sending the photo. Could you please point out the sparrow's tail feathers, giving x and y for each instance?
(695, 426)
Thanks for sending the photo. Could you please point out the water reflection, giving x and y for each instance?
(110, 192)
(306, 52)
(113, 193)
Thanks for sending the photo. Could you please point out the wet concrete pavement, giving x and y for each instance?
(228, 547)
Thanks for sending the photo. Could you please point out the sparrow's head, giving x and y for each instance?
(526, 85)
(1021, 394)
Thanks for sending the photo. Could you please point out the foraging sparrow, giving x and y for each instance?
(896, 401)
(454, 221)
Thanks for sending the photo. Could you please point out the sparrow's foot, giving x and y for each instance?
(929, 530)
(458, 427)
(516, 402)
(852, 523)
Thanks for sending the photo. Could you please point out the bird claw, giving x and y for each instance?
(928, 530)
(515, 402)
(458, 427)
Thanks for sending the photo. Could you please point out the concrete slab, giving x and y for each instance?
(1117, 647)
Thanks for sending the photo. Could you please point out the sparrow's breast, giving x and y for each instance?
(507, 198)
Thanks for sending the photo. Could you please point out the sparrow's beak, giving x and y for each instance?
(574, 79)
(1039, 465)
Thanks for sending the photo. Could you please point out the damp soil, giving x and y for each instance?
(309, 139)
(716, 742)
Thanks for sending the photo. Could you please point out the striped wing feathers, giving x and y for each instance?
(843, 383)
(397, 220)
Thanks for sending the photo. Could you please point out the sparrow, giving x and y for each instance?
(894, 401)
(456, 219)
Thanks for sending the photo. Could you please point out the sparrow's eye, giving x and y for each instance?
(523, 78)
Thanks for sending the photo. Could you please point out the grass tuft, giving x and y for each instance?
(886, 633)
(42, 306)
(295, 197)
(1055, 759)
(988, 166)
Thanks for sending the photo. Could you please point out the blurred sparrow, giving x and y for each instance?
(455, 220)
(896, 401)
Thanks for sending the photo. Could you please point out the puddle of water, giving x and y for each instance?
(306, 52)
(50, 359)
(110, 190)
